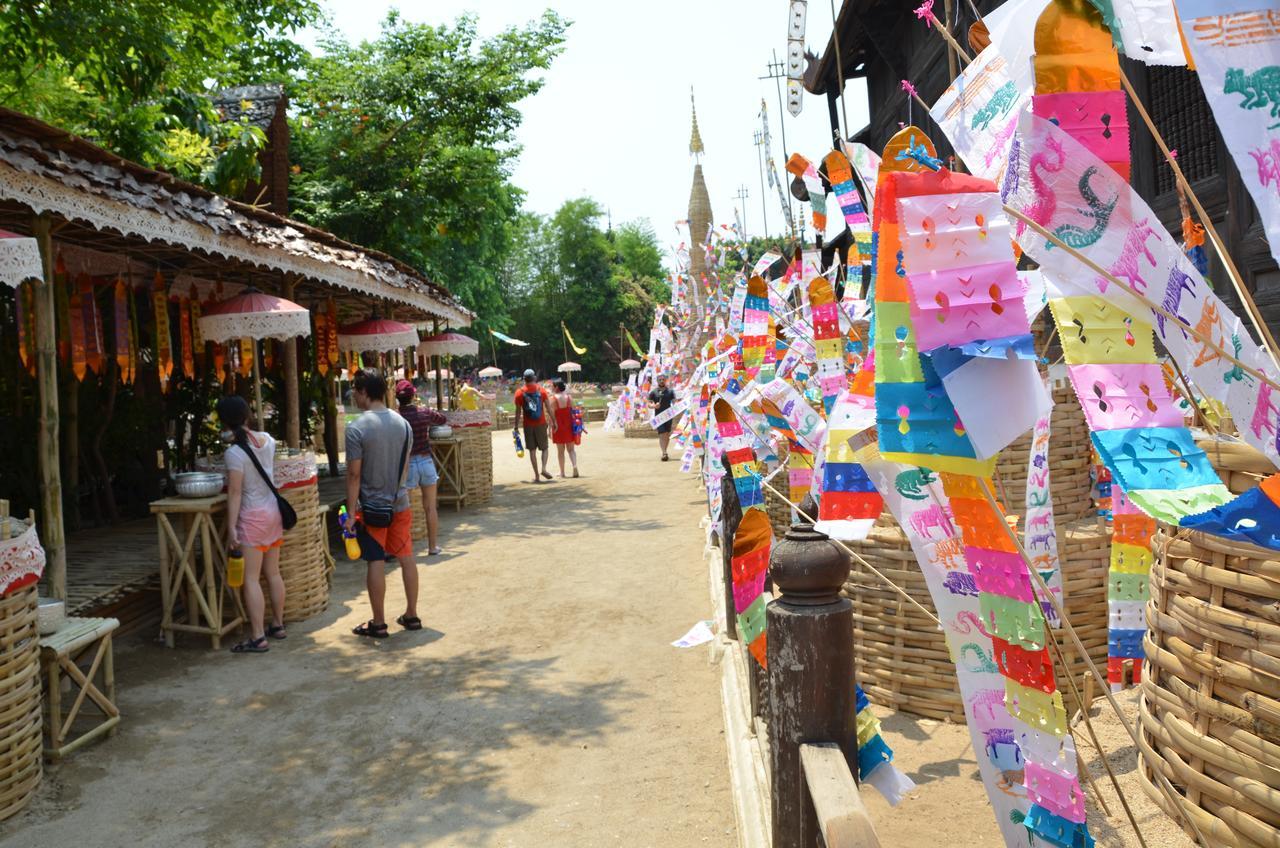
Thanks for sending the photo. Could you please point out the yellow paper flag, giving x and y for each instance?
(572, 343)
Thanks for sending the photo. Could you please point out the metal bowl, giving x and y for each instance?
(441, 431)
(49, 615)
(199, 484)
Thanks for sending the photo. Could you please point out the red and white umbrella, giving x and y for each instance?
(254, 315)
(376, 335)
(449, 344)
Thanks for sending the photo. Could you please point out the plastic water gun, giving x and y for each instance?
(515, 434)
(348, 533)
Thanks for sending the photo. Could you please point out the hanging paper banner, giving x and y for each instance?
(979, 113)
(246, 357)
(1145, 30)
(75, 316)
(635, 346)
(164, 336)
(840, 175)
(184, 337)
(749, 567)
(1128, 588)
(134, 346)
(321, 341)
(93, 350)
(120, 317)
(866, 164)
(62, 304)
(333, 332)
(803, 168)
(850, 503)
(197, 338)
(23, 302)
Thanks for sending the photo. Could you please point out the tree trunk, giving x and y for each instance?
(51, 530)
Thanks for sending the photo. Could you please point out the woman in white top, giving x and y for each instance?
(253, 522)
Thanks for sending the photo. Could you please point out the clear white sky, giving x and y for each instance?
(612, 121)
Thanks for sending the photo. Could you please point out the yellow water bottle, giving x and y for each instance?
(235, 569)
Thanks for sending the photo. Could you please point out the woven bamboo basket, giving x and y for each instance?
(1069, 460)
(1241, 466)
(305, 563)
(419, 528)
(1210, 710)
(639, 429)
(20, 742)
(902, 657)
(477, 463)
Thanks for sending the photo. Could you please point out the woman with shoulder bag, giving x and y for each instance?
(254, 522)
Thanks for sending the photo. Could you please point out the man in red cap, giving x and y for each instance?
(422, 468)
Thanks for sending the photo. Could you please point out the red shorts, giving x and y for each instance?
(392, 542)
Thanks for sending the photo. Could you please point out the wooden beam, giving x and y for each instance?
(52, 535)
(293, 417)
(842, 818)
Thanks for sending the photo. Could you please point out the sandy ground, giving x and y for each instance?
(949, 806)
(542, 706)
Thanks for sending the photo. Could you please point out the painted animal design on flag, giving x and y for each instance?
(1127, 266)
(1261, 89)
(1099, 212)
(997, 107)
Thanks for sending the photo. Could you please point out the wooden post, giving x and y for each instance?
(51, 532)
(331, 444)
(292, 406)
(810, 652)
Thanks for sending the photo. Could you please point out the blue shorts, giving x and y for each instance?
(422, 472)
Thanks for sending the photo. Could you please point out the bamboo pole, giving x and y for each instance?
(1152, 305)
(51, 530)
(1237, 282)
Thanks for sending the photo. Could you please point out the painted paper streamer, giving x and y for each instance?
(184, 336)
(850, 504)
(1236, 49)
(93, 354)
(1014, 619)
(1059, 183)
(875, 757)
(803, 168)
(840, 175)
(1040, 536)
(197, 338)
(246, 354)
(75, 315)
(979, 113)
(499, 336)
(164, 337)
(828, 340)
(26, 326)
(62, 304)
(333, 332)
(572, 343)
(321, 333)
(1128, 589)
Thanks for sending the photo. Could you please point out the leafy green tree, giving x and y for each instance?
(133, 75)
(406, 143)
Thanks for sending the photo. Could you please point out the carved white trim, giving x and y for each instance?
(21, 559)
(255, 325)
(377, 342)
(20, 261)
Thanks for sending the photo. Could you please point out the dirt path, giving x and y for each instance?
(543, 706)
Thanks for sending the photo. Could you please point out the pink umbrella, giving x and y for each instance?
(255, 315)
(376, 335)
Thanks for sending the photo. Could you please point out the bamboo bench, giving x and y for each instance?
(78, 640)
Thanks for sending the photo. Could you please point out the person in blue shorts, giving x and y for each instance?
(422, 467)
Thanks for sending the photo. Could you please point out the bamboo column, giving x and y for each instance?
(293, 414)
(51, 532)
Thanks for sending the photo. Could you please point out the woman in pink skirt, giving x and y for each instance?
(253, 521)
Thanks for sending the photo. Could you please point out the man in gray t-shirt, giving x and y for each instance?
(377, 464)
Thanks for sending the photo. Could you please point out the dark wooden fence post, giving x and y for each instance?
(810, 652)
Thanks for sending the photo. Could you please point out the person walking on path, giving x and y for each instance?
(564, 437)
(531, 407)
(661, 399)
(378, 444)
(254, 526)
(422, 466)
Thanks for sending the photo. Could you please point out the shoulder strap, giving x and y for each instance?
(266, 479)
(404, 454)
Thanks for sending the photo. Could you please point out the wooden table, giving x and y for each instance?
(199, 575)
(447, 455)
(78, 640)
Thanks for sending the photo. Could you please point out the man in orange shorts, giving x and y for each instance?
(378, 445)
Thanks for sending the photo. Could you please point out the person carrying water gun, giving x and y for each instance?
(531, 408)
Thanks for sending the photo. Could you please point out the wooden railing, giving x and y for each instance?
(806, 697)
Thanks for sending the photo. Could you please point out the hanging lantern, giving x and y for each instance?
(184, 335)
(164, 339)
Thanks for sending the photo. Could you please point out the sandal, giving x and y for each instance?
(409, 622)
(275, 631)
(252, 646)
(575, 472)
(374, 631)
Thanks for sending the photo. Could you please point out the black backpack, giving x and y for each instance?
(532, 402)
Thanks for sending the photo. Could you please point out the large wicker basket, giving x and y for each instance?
(1210, 709)
(477, 463)
(1069, 460)
(20, 759)
(1239, 465)
(902, 657)
(305, 562)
